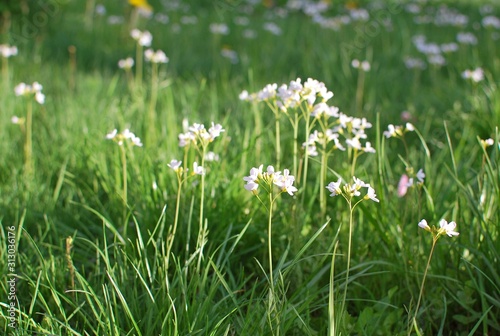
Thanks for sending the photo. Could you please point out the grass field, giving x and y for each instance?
(170, 225)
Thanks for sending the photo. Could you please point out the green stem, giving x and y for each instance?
(269, 244)
(306, 158)
(124, 195)
(5, 72)
(331, 298)
(434, 240)
(171, 236)
(295, 145)
(150, 128)
(202, 198)
(278, 145)
(353, 166)
(138, 68)
(28, 145)
(359, 91)
(351, 211)
(322, 178)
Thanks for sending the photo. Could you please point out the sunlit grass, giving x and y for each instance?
(133, 241)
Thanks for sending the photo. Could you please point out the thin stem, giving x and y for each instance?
(295, 145)
(171, 236)
(322, 178)
(5, 71)
(355, 157)
(138, 68)
(359, 91)
(331, 298)
(434, 240)
(124, 195)
(202, 198)
(278, 145)
(150, 128)
(306, 158)
(28, 145)
(270, 255)
(269, 244)
(351, 211)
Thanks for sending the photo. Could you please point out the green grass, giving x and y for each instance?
(79, 272)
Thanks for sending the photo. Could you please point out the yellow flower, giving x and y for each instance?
(143, 4)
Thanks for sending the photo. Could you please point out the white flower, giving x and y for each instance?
(219, 28)
(143, 38)
(371, 195)
(40, 98)
(423, 224)
(475, 75)
(420, 176)
(334, 188)
(198, 170)
(410, 127)
(487, 142)
(368, 148)
(285, 182)
(119, 138)
(126, 63)
(215, 131)
(34, 89)
(155, 56)
(7, 51)
(175, 165)
(448, 228)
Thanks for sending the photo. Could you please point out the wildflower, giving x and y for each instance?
(334, 188)
(143, 38)
(285, 182)
(126, 63)
(198, 170)
(475, 75)
(364, 65)
(423, 224)
(273, 28)
(155, 56)
(34, 90)
(269, 178)
(467, 38)
(7, 51)
(219, 28)
(444, 228)
(448, 228)
(403, 185)
(17, 120)
(371, 195)
(126, 135)
(175, 165)
(215, 131)
(487, 142)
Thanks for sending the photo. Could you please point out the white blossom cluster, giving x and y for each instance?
(197, 134)
(35, 89)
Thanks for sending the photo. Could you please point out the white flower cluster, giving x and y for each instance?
(398, 131)
(290, 96)
(143, 38)
(361, 65)
(7, 51)
(352, 190)
(444, 228)
(198, 134)
(314, 95)
(155, 56)
(476, 75)
(126, 63)
(269, 178)
(126, 135)
(34, 89)
(219, 28)
(177, 167)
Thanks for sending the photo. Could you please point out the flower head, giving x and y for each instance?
(126, 135)
(175, 165)
(448, 228)
(143, 38)
(34, 90)
(444, 228)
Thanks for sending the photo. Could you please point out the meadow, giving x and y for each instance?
(239, 167)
